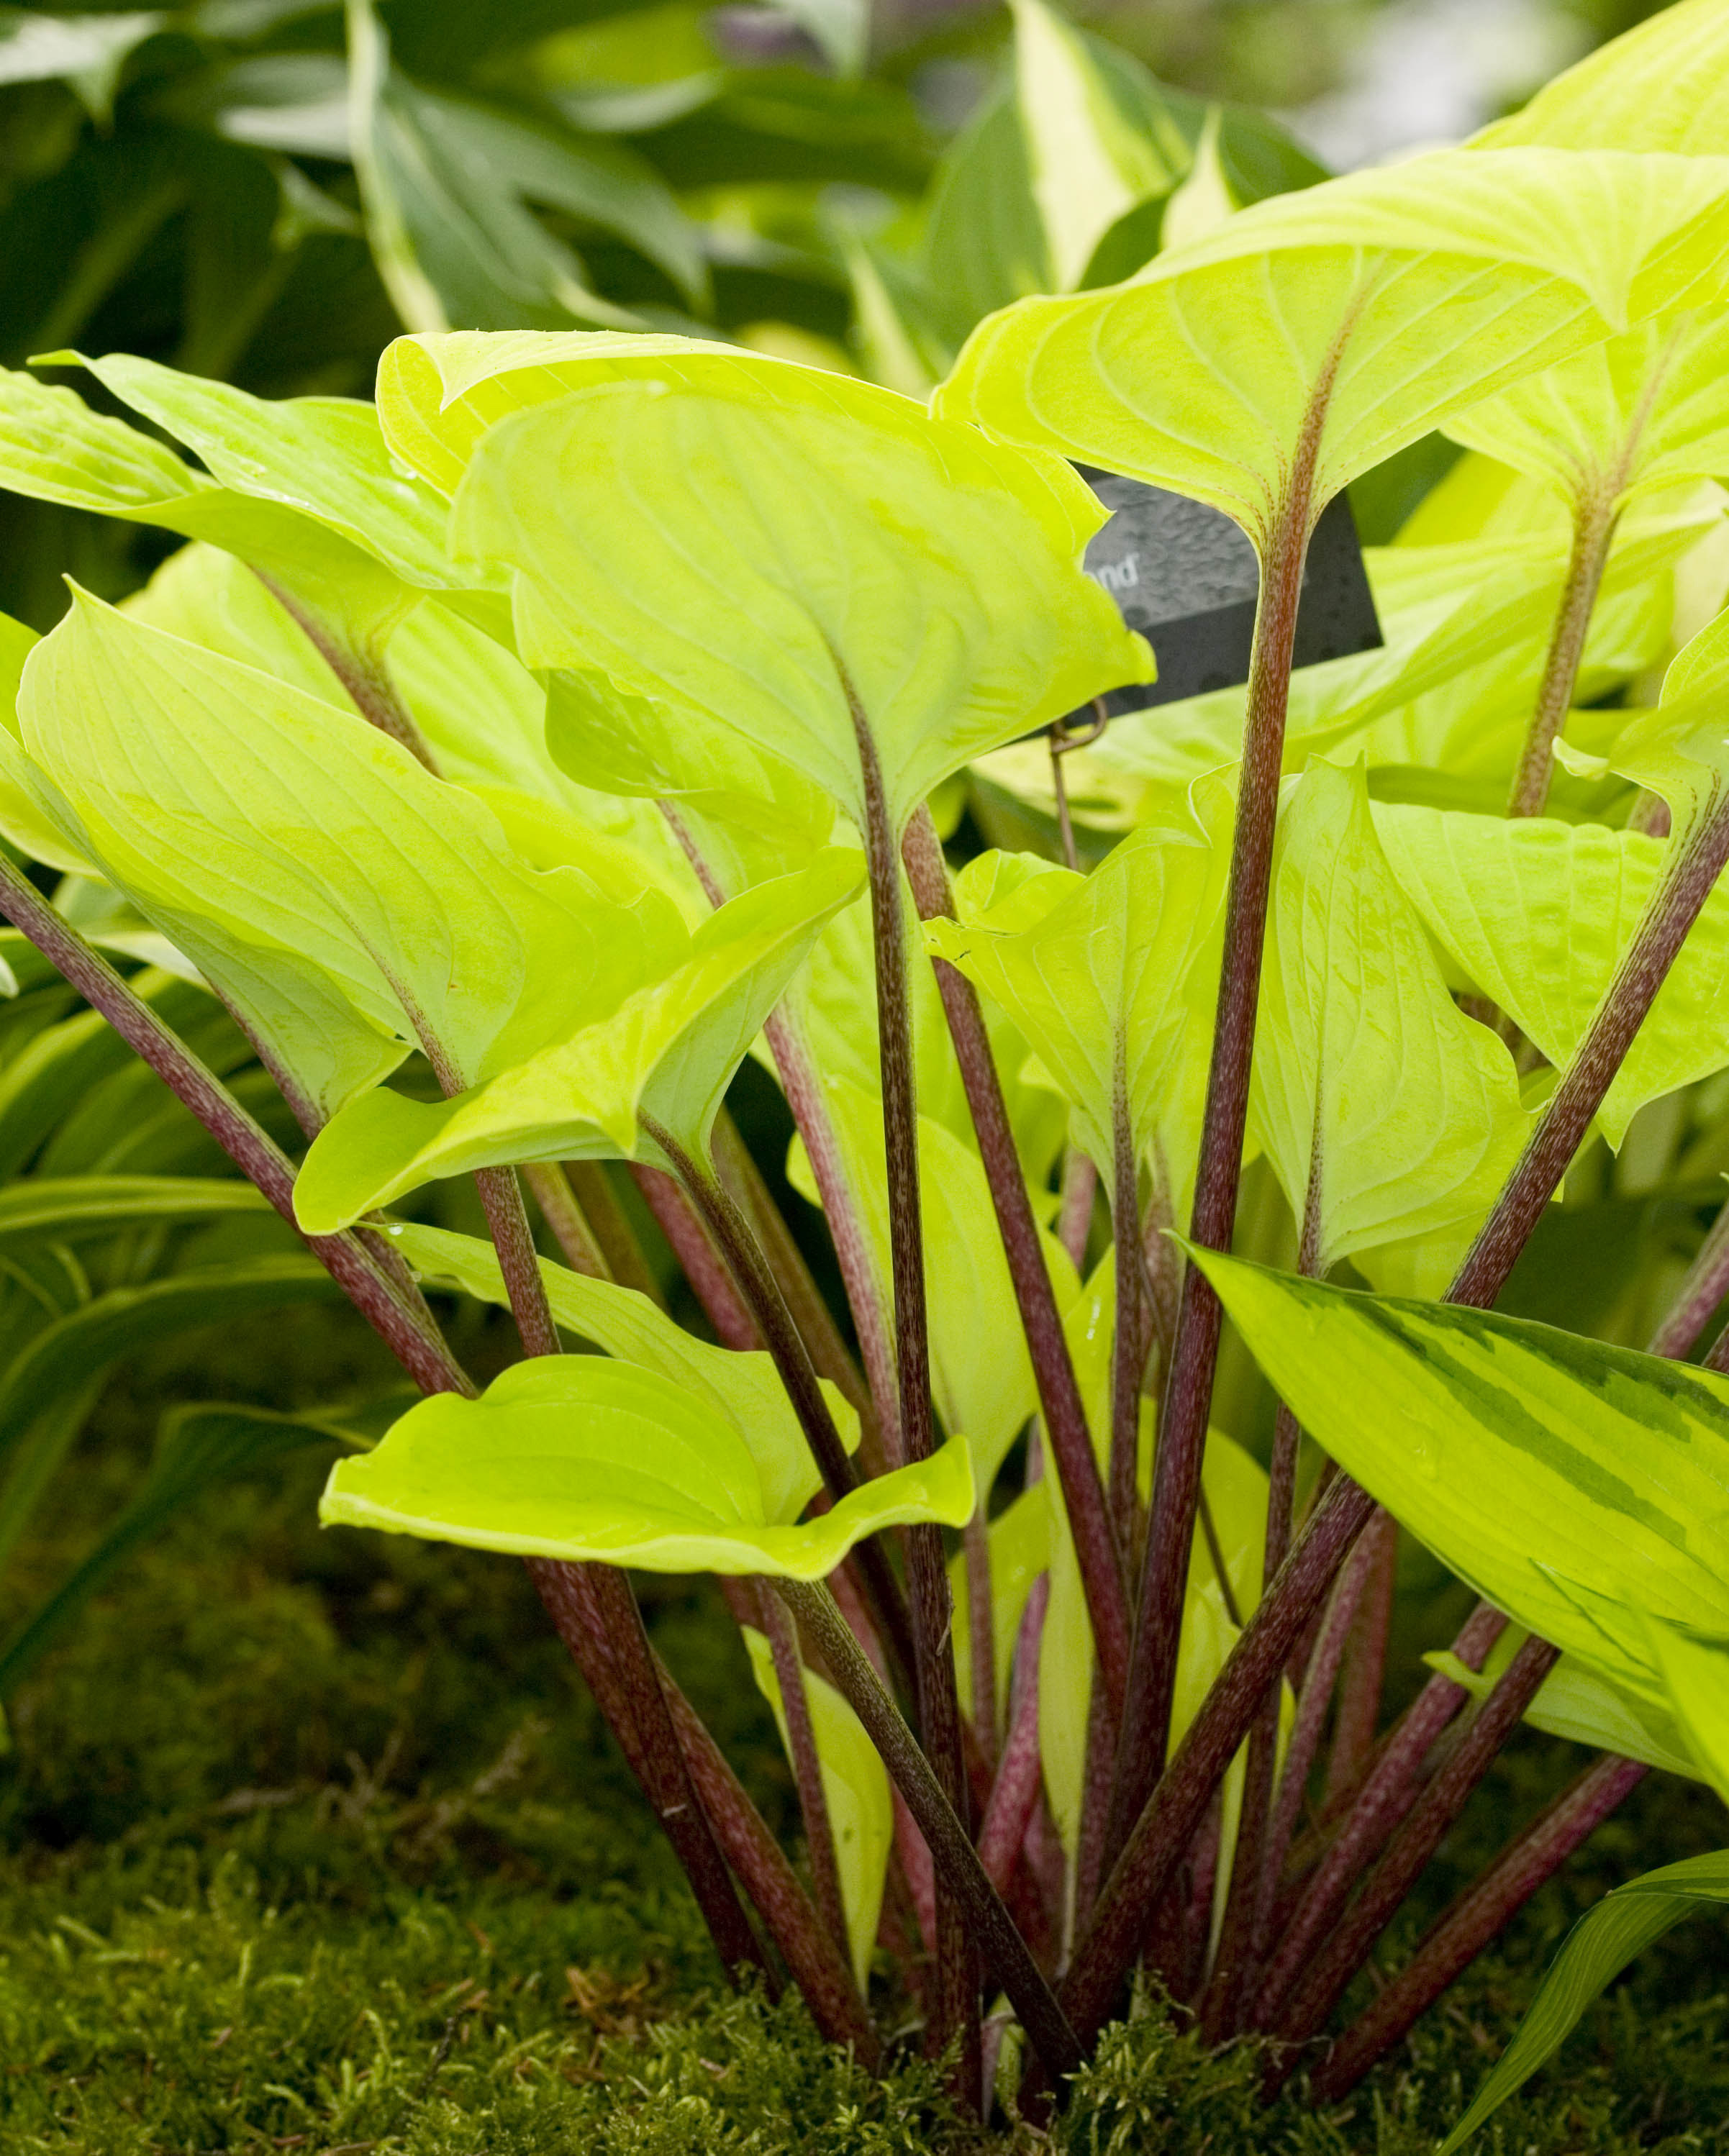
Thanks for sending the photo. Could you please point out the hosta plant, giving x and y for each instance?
(514, 756)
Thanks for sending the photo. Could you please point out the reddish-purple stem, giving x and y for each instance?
(704, 1267)
(1188, 1392)
(980, 1631)
(1312, 1702)
(1074, 1214)
(599, 1621)
(957, 1975)
(1015, 1793)
(1706, 1283)
(401, 1322)
(1364, 1669)
(806, 1765)
(1443, 1798)
(1478, 1915)
(1385, 1797)
(1162, 1832)
(715, 1212)
(1054, 1370)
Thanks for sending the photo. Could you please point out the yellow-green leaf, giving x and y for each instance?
(1356, 315)
(743, 1387)
(810, 561)
(588, 1460)
(1553, 1473)
(855, 1787)
(664, 1047)
(1385, 1112)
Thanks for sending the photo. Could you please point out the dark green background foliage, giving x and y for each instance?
(316, 1842)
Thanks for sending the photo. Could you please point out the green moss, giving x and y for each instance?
(314, 1842)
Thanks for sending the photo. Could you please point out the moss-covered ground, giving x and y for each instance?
(313, 1842)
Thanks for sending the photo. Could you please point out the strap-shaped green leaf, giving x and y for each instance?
(1385, 1112)
(586, 1459)
(744, 1388)
(71, 1207)
(855, 1785)
(667, 1052)
(1627, 1920)
(1088, 162)
(1355, 316)
(347, 901)
(811, 561)
(1552, 1473)
(199, 1449)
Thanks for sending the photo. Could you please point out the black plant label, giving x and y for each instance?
(1185, 576)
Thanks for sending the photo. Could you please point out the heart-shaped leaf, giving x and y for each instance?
(744, 1387)
(583, 1459)
(1093, 970)
(1537, 914)
(481, 712)
(662, 1054)
(1664, 85)
(1639, 413)
(1385, 1112)
(350, 903)
(306, 497)
(1347, 320)
(871, 595)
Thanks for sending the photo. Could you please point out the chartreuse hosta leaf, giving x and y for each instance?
(303, 490)
(661, 1055)
(352, 904)
(1582, 1705)
(1385, 1112)
(1537, 914)
(1665, 86)
(873, 595)
(1641, 411)
(743, 1387)
(854, 1786)
(1554, 1473)
(581, 1458)
(480, 710)
(1092, 970)
(324, 456)
(1354, 317)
